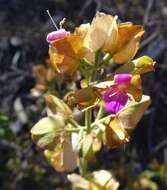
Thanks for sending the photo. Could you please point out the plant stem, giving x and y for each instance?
(100, 112)
(88, 119)
(83, 167)
(72, 129)
(73, 122)
(101, 120)
(106, 59)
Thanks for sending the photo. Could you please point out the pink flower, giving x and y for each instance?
(116, 97)
(57, 35)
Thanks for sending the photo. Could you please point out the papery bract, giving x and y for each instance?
(65, 54)
(115, 134)
(103, 26)
(85, 98)
(43, 76)
(120, 40)
(127, 43)
(62, 158)
(137, 66)
(131, 114)
(98, 180)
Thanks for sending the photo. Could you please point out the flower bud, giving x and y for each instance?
(57, 35)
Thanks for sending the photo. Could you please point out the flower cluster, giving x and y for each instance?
(102, 54)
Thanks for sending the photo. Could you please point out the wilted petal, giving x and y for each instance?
(116, 103)
(57, 35)
(85, 98)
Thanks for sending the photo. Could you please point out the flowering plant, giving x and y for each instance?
(109, 98)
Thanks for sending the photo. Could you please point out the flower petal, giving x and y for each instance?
(109, 93)
(122, 79)
(116, 103)
(57, 35)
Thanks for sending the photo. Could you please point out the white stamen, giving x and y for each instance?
(52, 20)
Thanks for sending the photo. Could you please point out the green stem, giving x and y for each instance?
(101, 120)
(71, 130)
(88, 119)
(73, 123)
(100, 112)
(83, 167)
(97, 58)
(106, 59)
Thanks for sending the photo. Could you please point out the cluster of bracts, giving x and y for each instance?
(110, 96)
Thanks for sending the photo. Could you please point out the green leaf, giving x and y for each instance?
(131, 114)
(47, 125)
(4, 119)
(57, 105)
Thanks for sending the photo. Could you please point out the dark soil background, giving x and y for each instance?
(23, 28)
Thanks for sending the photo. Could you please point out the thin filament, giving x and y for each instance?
(52, 19)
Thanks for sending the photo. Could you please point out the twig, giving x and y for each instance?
(149, 39)
(87, 3)
(147, 12)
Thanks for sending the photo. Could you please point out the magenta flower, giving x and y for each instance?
(57, 35)
(116, 97)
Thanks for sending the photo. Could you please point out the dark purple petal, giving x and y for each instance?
(116, 103)
(122, 79)
(107, 95)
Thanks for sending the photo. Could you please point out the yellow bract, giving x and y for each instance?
(115, 133)
(131, 114)
(102, 32)
(64, 158)
(84, 98)
(103, 179)
(43, 75)
(127, 43)
(98, 180)
(135, 88)
(65, 54)
(121, 40)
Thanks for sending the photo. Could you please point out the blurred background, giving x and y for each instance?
(23, 28)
